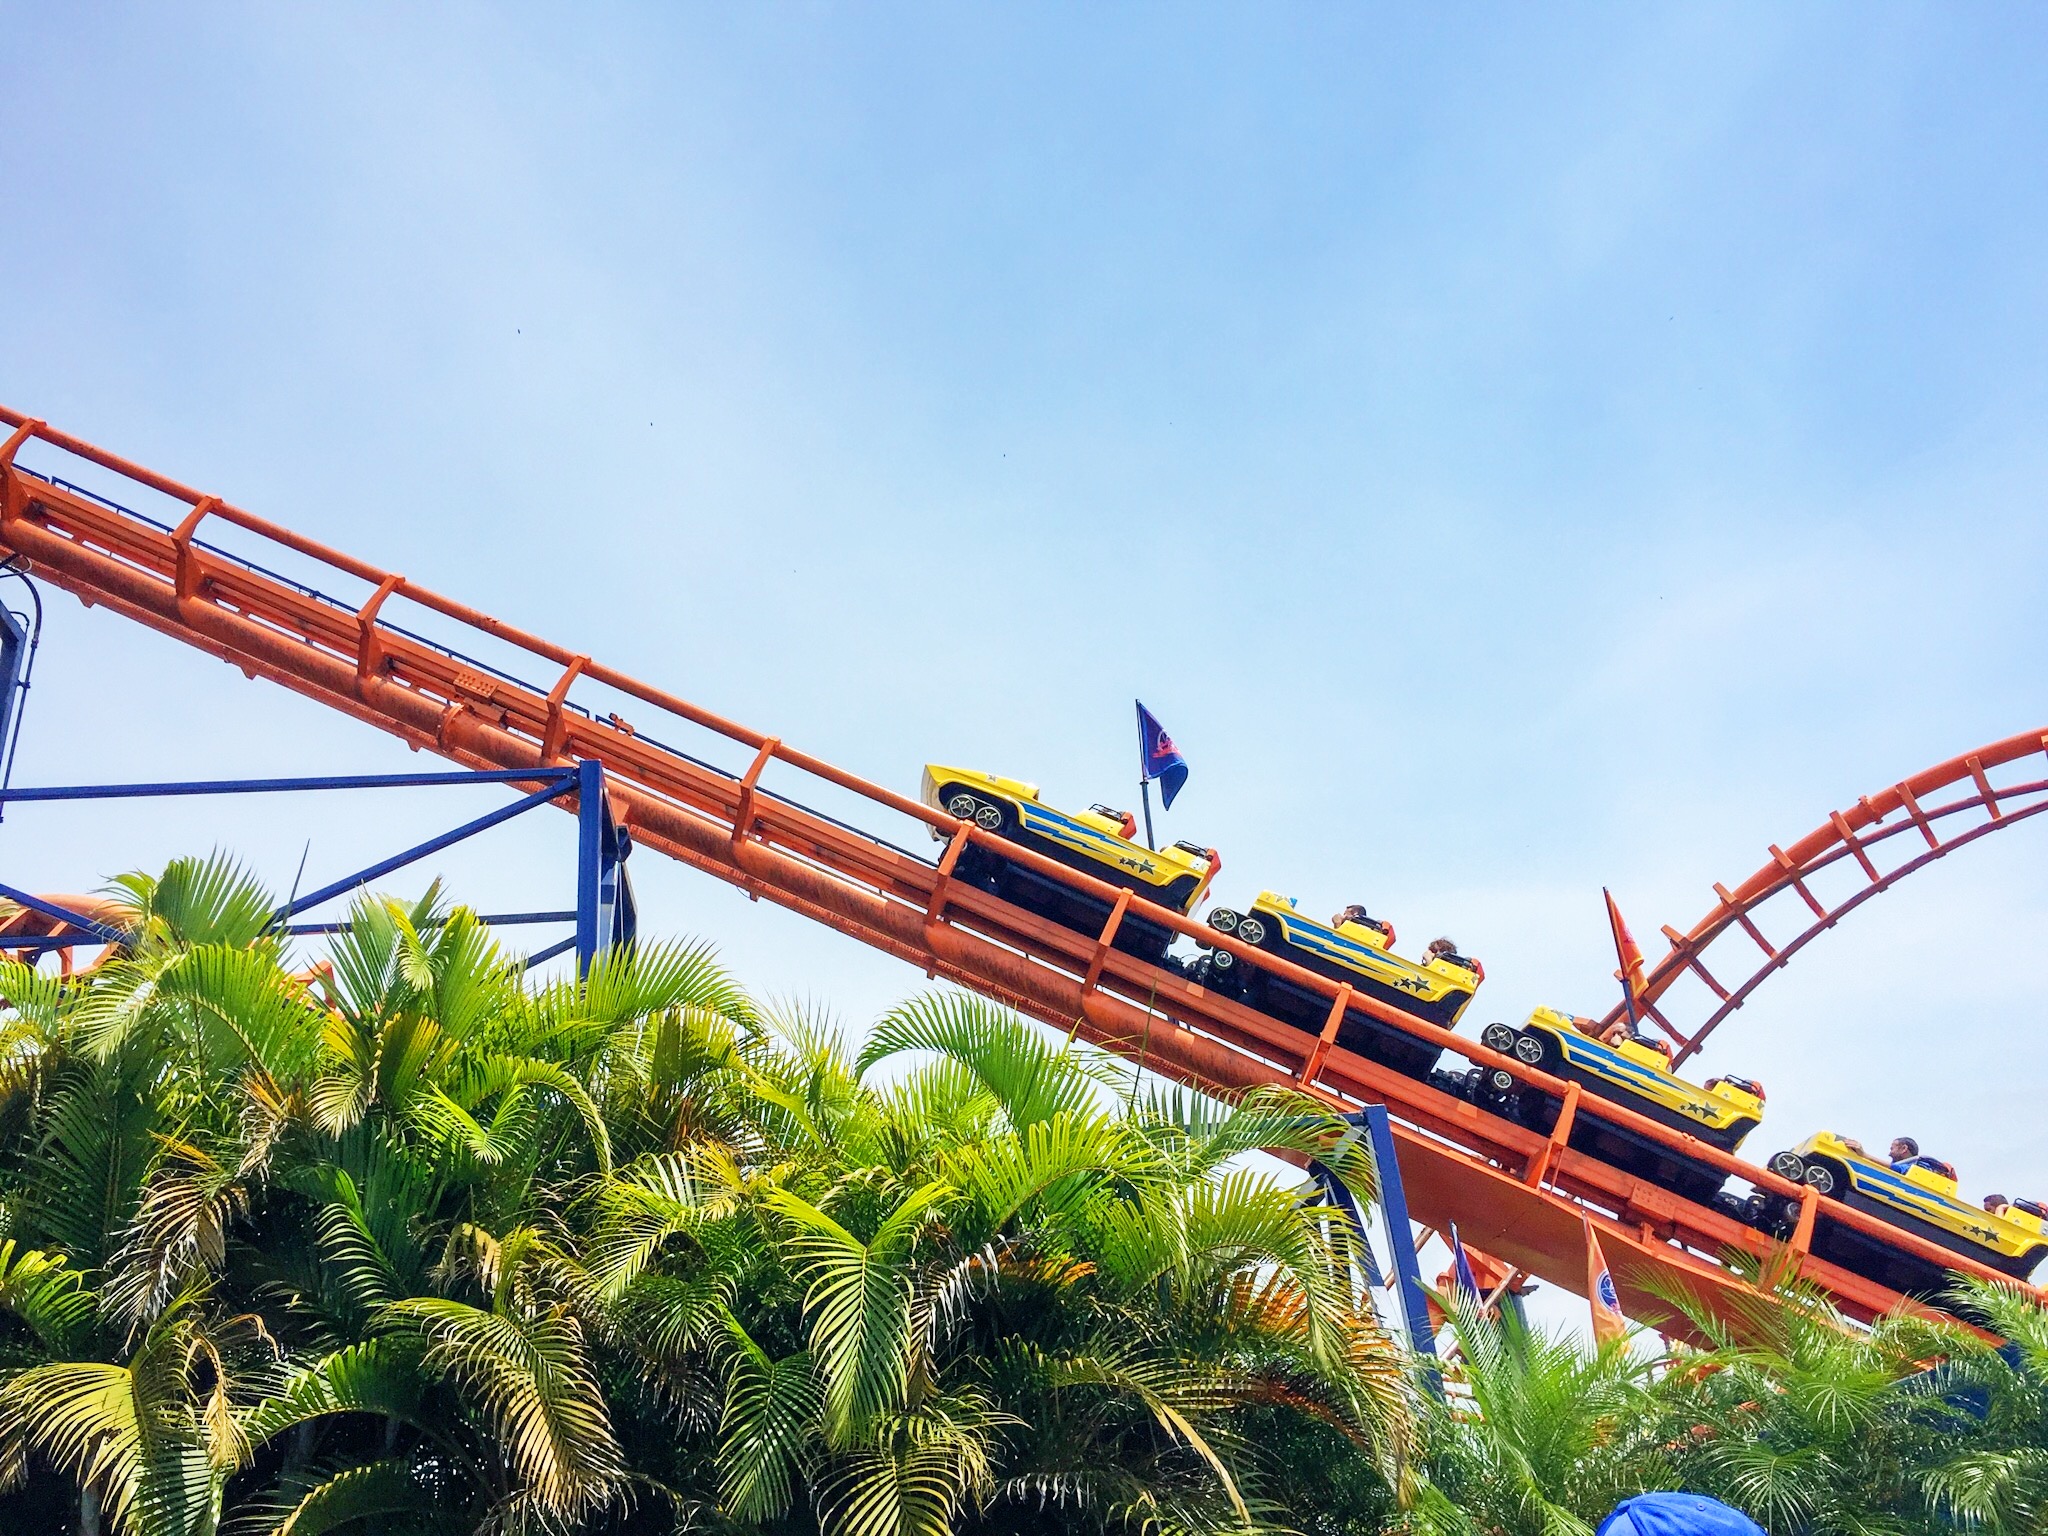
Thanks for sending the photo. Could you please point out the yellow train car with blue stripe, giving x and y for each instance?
(1632, 1072)
(1099, 841)
(1357, 950)
(1920, 1198)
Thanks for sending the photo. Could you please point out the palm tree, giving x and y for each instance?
(1026, 1305)
(399, 1242)
(1995, 1478)
(1537, 1437)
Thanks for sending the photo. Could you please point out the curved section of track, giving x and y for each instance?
(1515, 1193)
(1803, 891)
(29, 933)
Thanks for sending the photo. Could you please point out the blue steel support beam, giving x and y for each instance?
(419, 851)
(561, 778)
(1400, 1233)
(488, 919)
(92, 926)
(550, 952)
(590, 820)
(605, 914)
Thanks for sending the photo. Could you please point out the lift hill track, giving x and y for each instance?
(1513, 1193)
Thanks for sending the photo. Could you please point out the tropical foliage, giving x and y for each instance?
(1914, 1426)
(400, 1242)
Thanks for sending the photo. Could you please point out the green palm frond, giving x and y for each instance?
(629, 984)
(534, 1378)
(1175, 1396)
(49, 1297)
(427, 958)
(370, 1219)
(912, 1473)
(773, 1413)
(213, 900)
(1032, 1080)
(119, 1005)
(471, 981)
(661, 1196)
(180, 1231)
(2002, 1490)
(1268, 1118)
(1193, 1239)
(369, 1491)
(100, 1131)
(380, 1376)
(249, 1015)
(859, 1303)
(1058, 1164)
(665, 1318)
(131, 1433)
(448, 1113)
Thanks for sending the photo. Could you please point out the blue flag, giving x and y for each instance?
(1158, 758)
(1461, 1269)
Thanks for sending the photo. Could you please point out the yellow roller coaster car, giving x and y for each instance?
(1099, 841)
(1631, 1072)
(1919, 1198)
(1358, 952)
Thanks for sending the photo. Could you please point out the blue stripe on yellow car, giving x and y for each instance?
(1610, 1063)
(1671, 1092)
(1332, 945)
(1082, 838)
(1895, 1189)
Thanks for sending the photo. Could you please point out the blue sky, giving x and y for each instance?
(1514, 449)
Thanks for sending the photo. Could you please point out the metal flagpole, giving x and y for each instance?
(1145, 779)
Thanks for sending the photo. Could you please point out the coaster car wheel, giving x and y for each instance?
(1498, 1037)
(1826, 1176)
(1252, 929)
(985, 814)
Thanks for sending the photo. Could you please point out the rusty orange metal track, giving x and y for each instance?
(1514, 1193)
(25, 932)
(1829, 873)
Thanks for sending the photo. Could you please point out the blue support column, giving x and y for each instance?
(590, 820)
(1400, 1233)
(605, 911)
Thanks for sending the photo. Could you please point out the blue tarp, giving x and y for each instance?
(1677, 1514)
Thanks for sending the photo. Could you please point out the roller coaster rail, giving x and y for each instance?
(1856, 848)
(1514, 1192)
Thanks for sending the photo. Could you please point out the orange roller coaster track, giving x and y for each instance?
(1517, 1194)
(1824, 876)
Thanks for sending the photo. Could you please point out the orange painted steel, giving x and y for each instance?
(1513, 1192)
(24, 929)
(1860, 852)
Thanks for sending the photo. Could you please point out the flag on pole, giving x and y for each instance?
(1609, 1326)
(1461, 1272)
(1158, 758)
(1628, 954)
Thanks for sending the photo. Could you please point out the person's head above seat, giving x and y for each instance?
(1904, 1148)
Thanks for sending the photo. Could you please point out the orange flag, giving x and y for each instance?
(1625, 950)
(1609, 1326)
